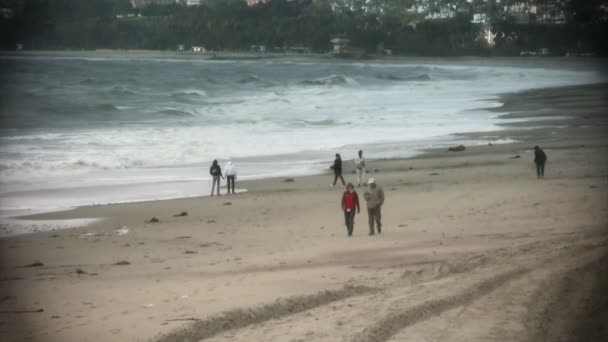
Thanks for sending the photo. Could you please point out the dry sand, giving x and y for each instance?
(474, 247)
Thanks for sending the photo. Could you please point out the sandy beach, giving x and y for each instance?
(474, 247)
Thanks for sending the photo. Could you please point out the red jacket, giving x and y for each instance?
(350, 200)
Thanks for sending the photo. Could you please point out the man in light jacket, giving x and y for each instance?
(360, 165)
(230, 173)
(374, 196)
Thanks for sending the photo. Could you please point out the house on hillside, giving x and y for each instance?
(343, 49)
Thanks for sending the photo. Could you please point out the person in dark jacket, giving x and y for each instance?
(350, 202)
(216, 172)
(337, 167)
(539, 159)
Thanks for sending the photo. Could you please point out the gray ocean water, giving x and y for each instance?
(78, 131)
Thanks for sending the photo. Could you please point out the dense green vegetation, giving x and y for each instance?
(231, 24)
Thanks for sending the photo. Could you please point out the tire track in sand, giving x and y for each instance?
(240, 318)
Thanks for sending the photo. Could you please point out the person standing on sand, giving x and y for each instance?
(360, 165)
(337, 167)
(216, 172)
(230, 172)
(350, 202)
(374, 196)
(539, 159)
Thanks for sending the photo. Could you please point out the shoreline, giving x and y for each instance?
(511, 108)
(523, 139)
(464, 233)
(568, 62)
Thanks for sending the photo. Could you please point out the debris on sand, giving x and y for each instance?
(34, 264)
(457, 148)
(516, 156)
(289, 180)
(121, 263)
(190, 252)
(153, 220)
(227, 203)
(210, 221)
(183, 213)
(21, 311)
(122, 230)
(433, 174)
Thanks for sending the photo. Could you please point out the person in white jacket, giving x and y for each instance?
(230, 173)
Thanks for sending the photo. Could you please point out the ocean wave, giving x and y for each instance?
(331, 80)
(106, 107)
(176, 112)
(251, 79)
(122, 90)
(421, 77)
(189, 93)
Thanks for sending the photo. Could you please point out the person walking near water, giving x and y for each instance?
(374, 196)
(360, 165)
(230, 172)
(337, 167)
(539, 159)
(350, 202)
(216, 172)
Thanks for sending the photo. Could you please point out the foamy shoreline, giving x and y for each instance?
(512, 135)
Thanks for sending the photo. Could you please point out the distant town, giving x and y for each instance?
(343, 28)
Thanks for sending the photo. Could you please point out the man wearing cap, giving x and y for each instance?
(374, 196)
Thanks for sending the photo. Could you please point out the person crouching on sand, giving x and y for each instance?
(374, 196)
(216, 172)
(337, 167)
(350, 202)
(230, 172)
(539, 159)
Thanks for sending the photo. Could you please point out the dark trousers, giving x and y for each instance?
(374, 214)
(216, 181)
(336, 176)
(349, 219)
(230, 183)
(540, 169)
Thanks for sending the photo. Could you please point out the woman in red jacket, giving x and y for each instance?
(350, 202)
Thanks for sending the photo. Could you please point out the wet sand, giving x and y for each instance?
(474, 247)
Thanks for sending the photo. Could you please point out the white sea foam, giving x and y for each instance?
(287, 119)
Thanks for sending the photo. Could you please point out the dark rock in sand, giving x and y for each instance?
(433, 174)
(227, 203)
(121, 263)
(153, 220)
(183, 213)
(593, 186)
(516, 157)
(289, 180)
(34, 264)
(190, 252)
(210, 221)
(457, 148)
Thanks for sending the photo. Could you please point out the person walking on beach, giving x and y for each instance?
(216, 172)
(374, 196)
(337, 167)
(350, 202)
(360, 165)
(539, 159)
(230, 172)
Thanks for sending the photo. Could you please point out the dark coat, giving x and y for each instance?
(539, 156)
(337, 167)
